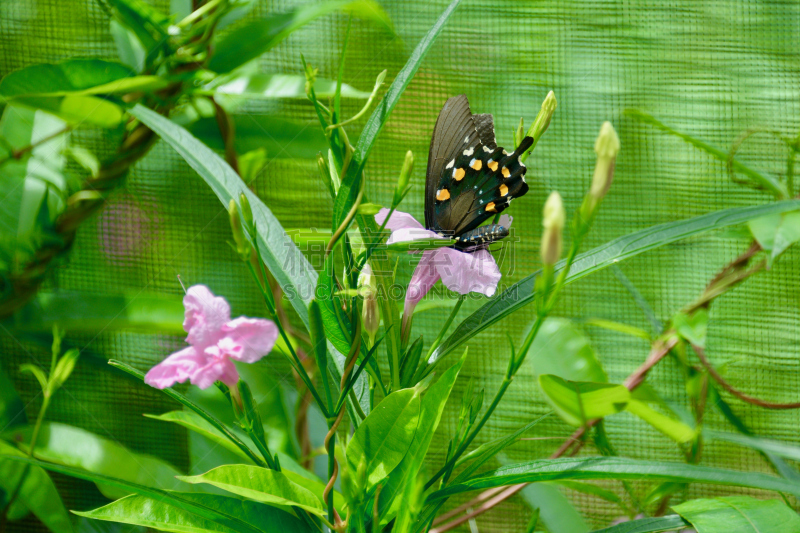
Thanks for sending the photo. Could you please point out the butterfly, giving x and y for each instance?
(469, 178)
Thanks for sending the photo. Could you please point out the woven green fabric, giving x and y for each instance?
(713, 69)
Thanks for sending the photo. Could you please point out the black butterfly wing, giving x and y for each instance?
(484, 123)
(476, 184)
(454, 131)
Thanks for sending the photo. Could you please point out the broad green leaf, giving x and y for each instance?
(284, 260)
(615, 468)
(38, 493)
(259, 85)
(70, 446)
(176, 499)
(147, 23)
(522, 293)
(562, 349)
(775, 186)
(351, 181)
(129, 48)
(577, 402)
(386, 435)
(12, 410)
(256, 37)
(198, 424)
(556, 512)
(73, 75)
(156, 514)
(692, 328)
(77, 110)
(674, 429)
(775, 233)
(219, 426)
(280, 138)
(431, 409)
(648, 525)
(260, 485)
(82, 312)
(739, 514)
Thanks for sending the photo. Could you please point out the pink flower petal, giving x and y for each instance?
(464, 273)
(411, 234)
(176, 368)
(399, 220)
(205, 315)
(219, 368)
(253, 338)
(425, 276)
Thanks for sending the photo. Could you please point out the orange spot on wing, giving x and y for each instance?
(492, 165)
(443, 195)
(477, 165)
(506, 172)
(459, 174)
(503, 190)
(490, 207)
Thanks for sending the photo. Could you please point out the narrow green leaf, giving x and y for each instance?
(556, 512)
(648, 525)
(674, 429)
(199, 425)
(386, 435)
(260, 85)
(172, 498)
(577, 402)
(522, 293)
(37, 372)
(70, 446)
(148, 24)
(156, 514)
(404, 477)
(768, 182)
(320, 347)
(351, 182)
(180, 398)
(256, 37)
(768, 446)
(73, 75)
(739, 514)
(130, 50)
(261, 485)
(616, 468)
(589, 488)
(38, 493)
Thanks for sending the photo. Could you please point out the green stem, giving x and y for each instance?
(446, 326)
(331, 470)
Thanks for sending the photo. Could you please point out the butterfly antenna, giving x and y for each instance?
(181, 282)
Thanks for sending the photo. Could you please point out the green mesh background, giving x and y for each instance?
(712, 69)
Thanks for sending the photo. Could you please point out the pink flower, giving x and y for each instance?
(461, 272)
(215, 341)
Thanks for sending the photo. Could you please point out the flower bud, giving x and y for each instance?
(402, 181)
(239, 238)
(370, 314)
(520, 133)
(542, 121)
(247, 212)
(553, 222)
(326, 175)
(606, 147)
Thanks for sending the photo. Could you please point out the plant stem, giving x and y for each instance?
(17, 154)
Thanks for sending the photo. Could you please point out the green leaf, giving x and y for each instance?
(767, 446)
(259, 85)
(386, 435)
(562, 349)
(64, 368)
(351, 182)
(404, 477)
(280, 138)
(147, 23)
(38, 493)
(589, 488)
(615, 468)
(129, 48)
(70, 446)
(256, 37)
(692, 328)
(71, 76)
(77, 110)
(580, 401)
(775, 186)
(739, 514)
(156, 514)
(320, 348)
(219, 426)
(38, 373)
(674, 429)
(12, 410)
(648, 525)
(261, 485)
(775, 233)
(196, 506)
(556, 512)
(83, 312)
(199, 425)
(522, 293)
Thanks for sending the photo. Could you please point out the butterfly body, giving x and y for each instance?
(470, 179)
